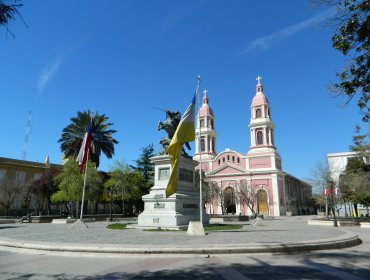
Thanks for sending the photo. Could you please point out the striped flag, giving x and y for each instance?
(327, 191)
(85, 147)
(185, 132)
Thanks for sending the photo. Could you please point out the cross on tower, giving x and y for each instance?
(258, 80)
(205, 92)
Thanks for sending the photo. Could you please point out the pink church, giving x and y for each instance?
(241, 183)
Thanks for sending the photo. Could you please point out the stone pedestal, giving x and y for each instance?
(180, 208)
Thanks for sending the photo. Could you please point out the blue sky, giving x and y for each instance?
(122, 58)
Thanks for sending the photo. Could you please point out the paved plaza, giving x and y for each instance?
(280, 232)
(54, 251)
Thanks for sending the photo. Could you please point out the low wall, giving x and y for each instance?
(228, 218)
(7, 221)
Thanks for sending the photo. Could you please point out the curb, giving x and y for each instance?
(347, 240)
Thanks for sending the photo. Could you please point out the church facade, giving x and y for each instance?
(244, 184)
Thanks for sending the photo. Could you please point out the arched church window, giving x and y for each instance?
(201, 122)
(258, 113)
(228, 158)
(211, 123)
(202, 145)
(233, 158)
(219, 161)
(223, 159)
(259, 138)
(238, 160)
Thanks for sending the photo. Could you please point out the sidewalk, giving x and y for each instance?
(282, 234)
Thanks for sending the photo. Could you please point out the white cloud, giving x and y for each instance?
(264, 43)
(48, 73)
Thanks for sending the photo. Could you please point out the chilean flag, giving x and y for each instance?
(85, 147)
(327, 192)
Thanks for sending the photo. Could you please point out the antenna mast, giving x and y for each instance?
(26, 135)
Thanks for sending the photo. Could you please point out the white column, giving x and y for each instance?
(264, 136)
(270, 137)
(252, 138)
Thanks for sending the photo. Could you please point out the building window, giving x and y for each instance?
(20, 177)
(258, 113)
(37, 176)
(228, 158)
(202, 145)
(259, 138)
(201, 122)
(233, 159)
(2, 174)
(219, 162)
(211, 123)
(238, 160)
(223, 159)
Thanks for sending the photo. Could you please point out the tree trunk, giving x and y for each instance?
(77, 204)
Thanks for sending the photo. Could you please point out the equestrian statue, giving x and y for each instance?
(170, 125)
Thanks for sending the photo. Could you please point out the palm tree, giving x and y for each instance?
(101, 141)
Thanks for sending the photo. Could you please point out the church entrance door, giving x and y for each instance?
(229, 200)
(262, 204)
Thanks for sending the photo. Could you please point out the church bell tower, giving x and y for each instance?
(205, 133)
(261, 125)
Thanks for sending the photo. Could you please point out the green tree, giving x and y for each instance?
(352, 39)
(125, 186)
(70, 184)
(102, 136)
(145, 166)
(8, 13)
(355, 181)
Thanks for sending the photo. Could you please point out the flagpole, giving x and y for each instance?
(200, 159)
(87, 160)
(84, 187)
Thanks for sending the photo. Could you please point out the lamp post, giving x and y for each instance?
(331, 185)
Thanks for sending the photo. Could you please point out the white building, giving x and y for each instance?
(337, 164)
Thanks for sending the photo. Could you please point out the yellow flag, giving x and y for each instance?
(185, 132)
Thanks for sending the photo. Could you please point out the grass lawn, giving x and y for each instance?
(117, 226)
(221, 227)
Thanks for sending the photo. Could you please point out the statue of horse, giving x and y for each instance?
(170, 125)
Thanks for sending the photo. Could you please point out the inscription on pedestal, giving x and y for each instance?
(163, 173)
(186, 175)
(159, 205)
(155, 220)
